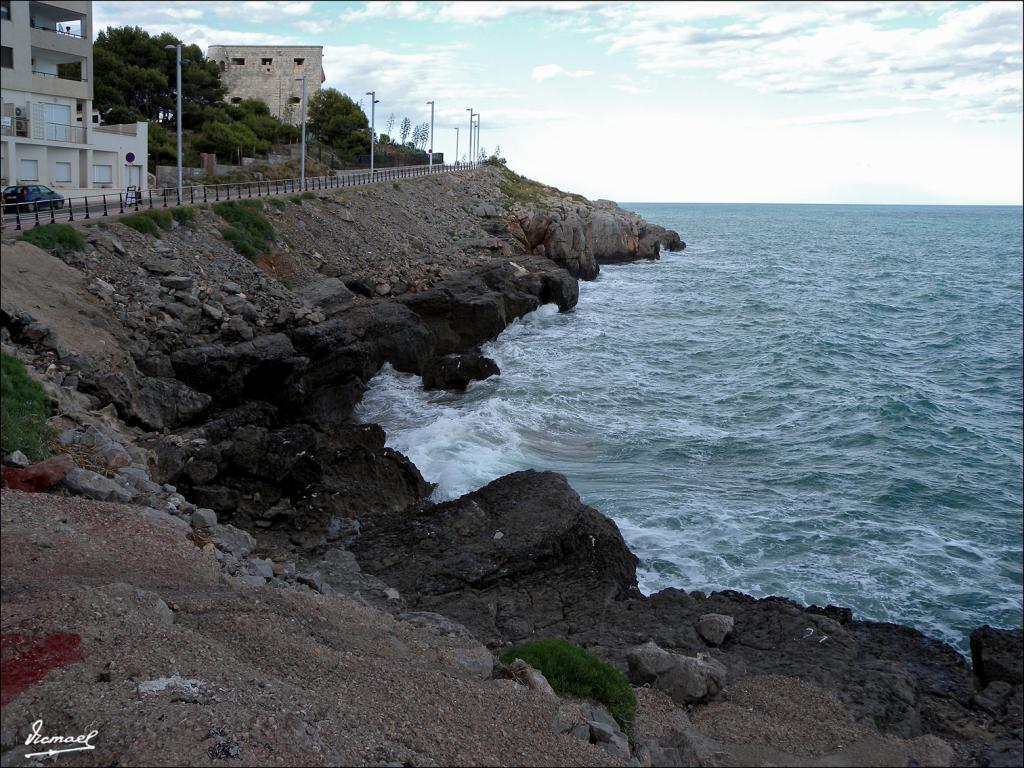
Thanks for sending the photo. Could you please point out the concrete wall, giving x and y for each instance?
(268, 74)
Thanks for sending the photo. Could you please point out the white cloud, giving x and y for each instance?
(548, 71)
(967, 61)
(387, 9)
(833, 118)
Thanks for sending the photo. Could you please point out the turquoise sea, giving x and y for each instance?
(822, 402)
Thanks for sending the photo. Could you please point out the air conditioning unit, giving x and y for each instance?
(18, 112)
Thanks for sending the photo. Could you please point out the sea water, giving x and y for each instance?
(818, 402)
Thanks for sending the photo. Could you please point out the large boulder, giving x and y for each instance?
(504, 560)
(687, 679)
(998, 655)
(330, 295)
(456, 371)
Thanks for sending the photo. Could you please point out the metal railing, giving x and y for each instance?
(72, 134)
(59, 76)
(24, 215)
(66, 32)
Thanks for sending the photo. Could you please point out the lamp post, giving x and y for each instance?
(471, 114)
(456, 144)
(373, 133)
(177, 61)
(477, 144)
(430, 162)
(302, 160)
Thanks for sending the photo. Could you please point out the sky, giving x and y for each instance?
(846, 102)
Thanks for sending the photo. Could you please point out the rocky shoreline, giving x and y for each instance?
(218, 395)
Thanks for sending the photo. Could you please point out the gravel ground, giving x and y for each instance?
(277, 677)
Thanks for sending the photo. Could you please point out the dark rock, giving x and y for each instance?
(360, 285)
(329, 295)
(456, 371)
(553, 551)
(165, 403)
(998, 654)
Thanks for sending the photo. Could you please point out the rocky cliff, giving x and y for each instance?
(217, 393)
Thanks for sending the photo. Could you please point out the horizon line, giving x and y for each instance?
(908, 205)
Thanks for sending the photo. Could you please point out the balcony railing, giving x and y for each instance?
(73, 134)
(59, 76)
(57, 30)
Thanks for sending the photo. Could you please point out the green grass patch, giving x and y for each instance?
(23, 411)
(183, 215)
(278, 203)
(51, 235)
(527, 191)
(250, 233)
(576, 672)
(151, 222)
(296, 199)
(307, 195)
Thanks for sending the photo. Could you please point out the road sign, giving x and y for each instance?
(130, 157)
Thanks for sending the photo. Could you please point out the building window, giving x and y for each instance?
(5, 10)
(239, 62)
(28, 170)
(266, 62)
(62, 172)
(300, 62)
(295, 100)
(103, 174)
(6, 57)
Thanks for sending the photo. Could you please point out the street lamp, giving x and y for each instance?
(177, 61)
(471, 114)
(302, 161)
(477, 143)
(456, 144)
(373, 133)
(431, 160)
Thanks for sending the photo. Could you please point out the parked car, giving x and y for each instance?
(30, 197)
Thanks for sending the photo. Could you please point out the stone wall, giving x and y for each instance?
(269, 73)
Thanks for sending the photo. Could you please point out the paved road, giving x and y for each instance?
(99, 205)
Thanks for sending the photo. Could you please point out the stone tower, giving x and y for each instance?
(269, 73)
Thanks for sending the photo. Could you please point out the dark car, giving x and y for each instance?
(29, 197)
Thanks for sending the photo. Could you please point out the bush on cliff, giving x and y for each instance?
(51, 235)
(23, 411)
(571, 670)
(250, 233)
(152, 221)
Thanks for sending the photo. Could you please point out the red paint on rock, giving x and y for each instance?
(25, 661)
(38, 477)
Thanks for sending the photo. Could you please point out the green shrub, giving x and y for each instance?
(152, 221)
(307, 195)
(250, 232)
(571, 670)
(51, 235)
(23, 411)
(296, 199)
(277, 202)
(183, 214)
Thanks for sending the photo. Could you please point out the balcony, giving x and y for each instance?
(71, 134)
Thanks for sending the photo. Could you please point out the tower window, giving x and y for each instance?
(266, 62)
(300, 62)
(238, 62)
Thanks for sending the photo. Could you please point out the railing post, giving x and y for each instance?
(151, 199)
(192, 194)
(71, 208)
(53, 216)
(104, 205)
(248, 186)
(120, 202)
(259, 189)
(17, 217)
(36, 206)
(163, 193)
(216, 192)
(204, 193)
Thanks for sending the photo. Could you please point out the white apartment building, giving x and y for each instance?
(49, 133)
